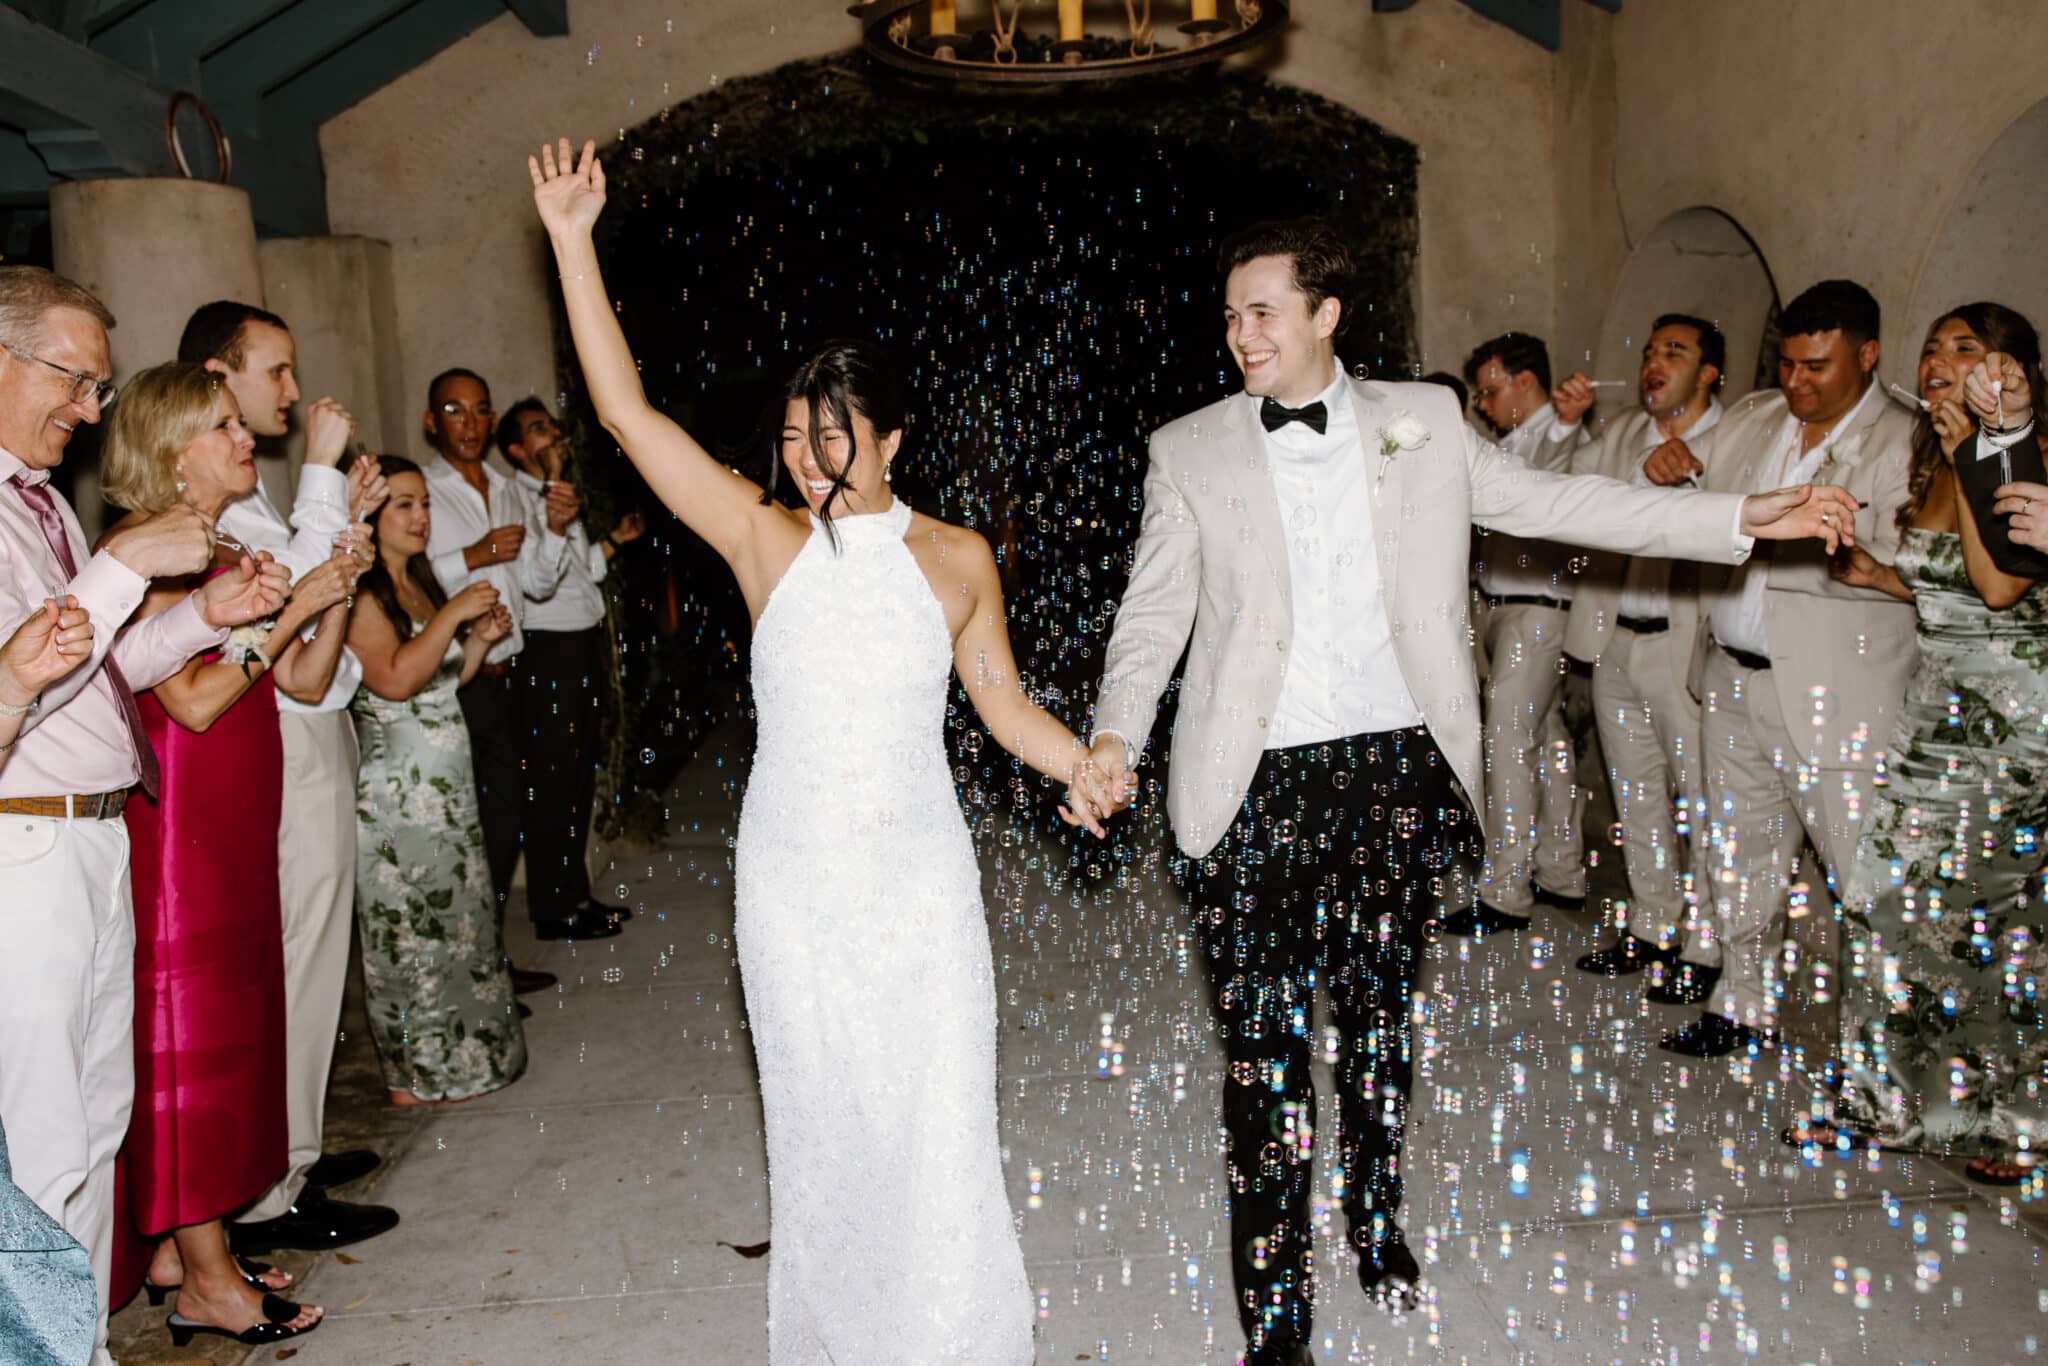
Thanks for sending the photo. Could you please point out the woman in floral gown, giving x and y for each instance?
(439, 993)
(1942, 1026)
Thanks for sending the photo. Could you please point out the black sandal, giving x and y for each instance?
(252, 1271)
(278, 1311)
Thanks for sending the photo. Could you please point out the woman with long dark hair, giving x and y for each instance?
(870, 990)
(434, 978)
(1946, 928)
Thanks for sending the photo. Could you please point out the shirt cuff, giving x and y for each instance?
(109, 590)
(1744, 544)
(186, 632)
(1131, 753)
(1559, 429)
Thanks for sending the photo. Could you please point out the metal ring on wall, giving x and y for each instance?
(223, 154)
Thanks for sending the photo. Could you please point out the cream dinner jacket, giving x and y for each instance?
(1839, 655)
(1618, 454)
(1211, 558)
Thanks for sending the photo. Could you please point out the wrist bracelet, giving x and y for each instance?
(9, 709)
(580, 275)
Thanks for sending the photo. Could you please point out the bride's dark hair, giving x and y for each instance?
(844, 376)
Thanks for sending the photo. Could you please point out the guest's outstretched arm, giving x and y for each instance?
(717, 503)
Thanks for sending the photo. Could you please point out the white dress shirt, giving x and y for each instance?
(461, 517)
(1517, 568)
(1646, 586)
(1341, 676)
(1738, 615)
(577, 603)
(319, 515)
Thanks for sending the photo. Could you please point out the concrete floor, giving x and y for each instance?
(1581, 1196)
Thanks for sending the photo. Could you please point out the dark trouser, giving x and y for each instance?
(497, 746)
(559, 677)
(1328, 875)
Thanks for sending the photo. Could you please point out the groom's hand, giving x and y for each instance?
(1818, 511)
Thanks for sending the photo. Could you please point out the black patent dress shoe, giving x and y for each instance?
(528, 980)
(1387, 1270)
(1684, 984)
(1482, 919)
(338, 1169)
(314, 1224)
(1559, 900)
(599, 908)
(577, 925)
(1715, 1036)
(1624, 956)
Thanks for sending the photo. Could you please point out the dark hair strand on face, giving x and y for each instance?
(843, 377)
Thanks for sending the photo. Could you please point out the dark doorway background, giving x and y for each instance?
(1045, 272)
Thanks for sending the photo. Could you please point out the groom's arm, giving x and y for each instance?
(1157, 611)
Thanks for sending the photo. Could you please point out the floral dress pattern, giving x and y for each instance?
(437, 985)
(1942, 1023)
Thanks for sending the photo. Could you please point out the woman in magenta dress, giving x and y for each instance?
(208, 1135)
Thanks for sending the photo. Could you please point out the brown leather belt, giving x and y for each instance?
(502, 669)
(101, 806)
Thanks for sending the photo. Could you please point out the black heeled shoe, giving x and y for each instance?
(278, 1311)
(252, 1272)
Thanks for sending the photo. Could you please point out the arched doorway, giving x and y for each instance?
(1987, 247)
(1697, 261)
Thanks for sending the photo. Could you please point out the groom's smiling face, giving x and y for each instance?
(1283, 344)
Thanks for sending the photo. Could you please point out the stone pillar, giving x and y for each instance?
(339, 297)
(152, 250)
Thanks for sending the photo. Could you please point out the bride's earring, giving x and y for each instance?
(887, 474)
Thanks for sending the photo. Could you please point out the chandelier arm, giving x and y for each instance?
(1141, 26)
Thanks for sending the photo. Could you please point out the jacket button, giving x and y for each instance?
(1262, 723)
(1281, 646)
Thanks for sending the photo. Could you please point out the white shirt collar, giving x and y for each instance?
(1653, 436)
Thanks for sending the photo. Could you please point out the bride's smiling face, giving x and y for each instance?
(854, 448)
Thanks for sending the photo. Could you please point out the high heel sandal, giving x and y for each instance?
(252, 1272)
(278, 1311)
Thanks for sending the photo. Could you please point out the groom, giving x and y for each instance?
(1312, 532)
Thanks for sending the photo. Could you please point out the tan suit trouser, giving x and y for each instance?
(67, 1023)
(1533, 802)
(1762, 804)
(1650, 734)
(316, 859)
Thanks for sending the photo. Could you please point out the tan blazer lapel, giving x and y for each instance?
(1240, 449)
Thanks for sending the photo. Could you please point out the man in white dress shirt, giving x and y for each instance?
(1305, 546)
(485, 527)
(1635, 616)
(1535, 851)
(253, 352)
(560, 696)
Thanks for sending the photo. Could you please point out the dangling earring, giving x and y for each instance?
(887, 474)
(181, 481)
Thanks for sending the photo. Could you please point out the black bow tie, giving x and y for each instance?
(1278, 415)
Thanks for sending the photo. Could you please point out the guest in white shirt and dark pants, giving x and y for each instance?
(559, 692)
(253, 351)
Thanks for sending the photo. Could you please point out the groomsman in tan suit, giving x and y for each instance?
(1637, 617)
(1305, 543)
(1535, 851)
(1800, 675)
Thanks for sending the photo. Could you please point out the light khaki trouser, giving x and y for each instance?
(1533, 801)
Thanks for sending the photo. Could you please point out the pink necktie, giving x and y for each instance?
(45, 508)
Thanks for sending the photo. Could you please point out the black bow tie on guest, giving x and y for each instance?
(1278, 415)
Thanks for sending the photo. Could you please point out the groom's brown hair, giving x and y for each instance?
(1321, 262)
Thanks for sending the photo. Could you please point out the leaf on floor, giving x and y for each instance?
(347, 1260)
(357, 1303)
(287, 1353)
(502, 1274)
(750, 1251)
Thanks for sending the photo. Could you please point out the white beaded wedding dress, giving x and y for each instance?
(869, 987)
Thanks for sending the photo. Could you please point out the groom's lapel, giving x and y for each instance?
(1241, 450)
(1386, 477)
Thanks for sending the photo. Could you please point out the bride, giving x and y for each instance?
(862, 943)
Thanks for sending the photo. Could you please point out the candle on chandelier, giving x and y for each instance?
(1203, 11)
(1070, 21)
(943, 18)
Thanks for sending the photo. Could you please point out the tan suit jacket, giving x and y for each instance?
(1839, 655)
(1618, 454)
(1211, 559)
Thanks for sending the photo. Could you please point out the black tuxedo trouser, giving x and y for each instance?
(1329, 875)
(490, 709)
(559, 681)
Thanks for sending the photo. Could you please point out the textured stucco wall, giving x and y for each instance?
(434, 163)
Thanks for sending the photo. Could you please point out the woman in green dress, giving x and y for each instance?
(1941, 1017)
(439, 992)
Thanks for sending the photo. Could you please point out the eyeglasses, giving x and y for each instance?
(83, 386)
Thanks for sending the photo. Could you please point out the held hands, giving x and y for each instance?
(49, 645)
(1817, 511)
(178, 540)
(1672, 463)
(500, 545)
(567, 198)
(1999, 375)
(563, 505)
(329, 429)
(1573, 398)
(366, 491)
(2027, 505)
(249, 591)
(477, 600)
(1102, 786)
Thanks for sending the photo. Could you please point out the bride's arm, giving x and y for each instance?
(715, 502)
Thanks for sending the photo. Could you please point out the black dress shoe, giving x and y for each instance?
(314, 1224)
(1387, 1270)
(1715, 1036)
(525, 980)
(1483, 919)
(1685, 984)
(1624, 956)
(338, 1169)
(577, 925)
(1546, 897)
(597, 908)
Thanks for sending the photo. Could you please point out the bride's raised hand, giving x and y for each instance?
(567, 193)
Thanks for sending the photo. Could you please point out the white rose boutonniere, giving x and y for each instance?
(1403, 431)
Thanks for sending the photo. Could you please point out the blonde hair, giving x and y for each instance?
(162, 411)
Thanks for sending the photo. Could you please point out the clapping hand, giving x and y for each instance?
(1821, 512)
(248, 591)
(568, 197)
(49, 645)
